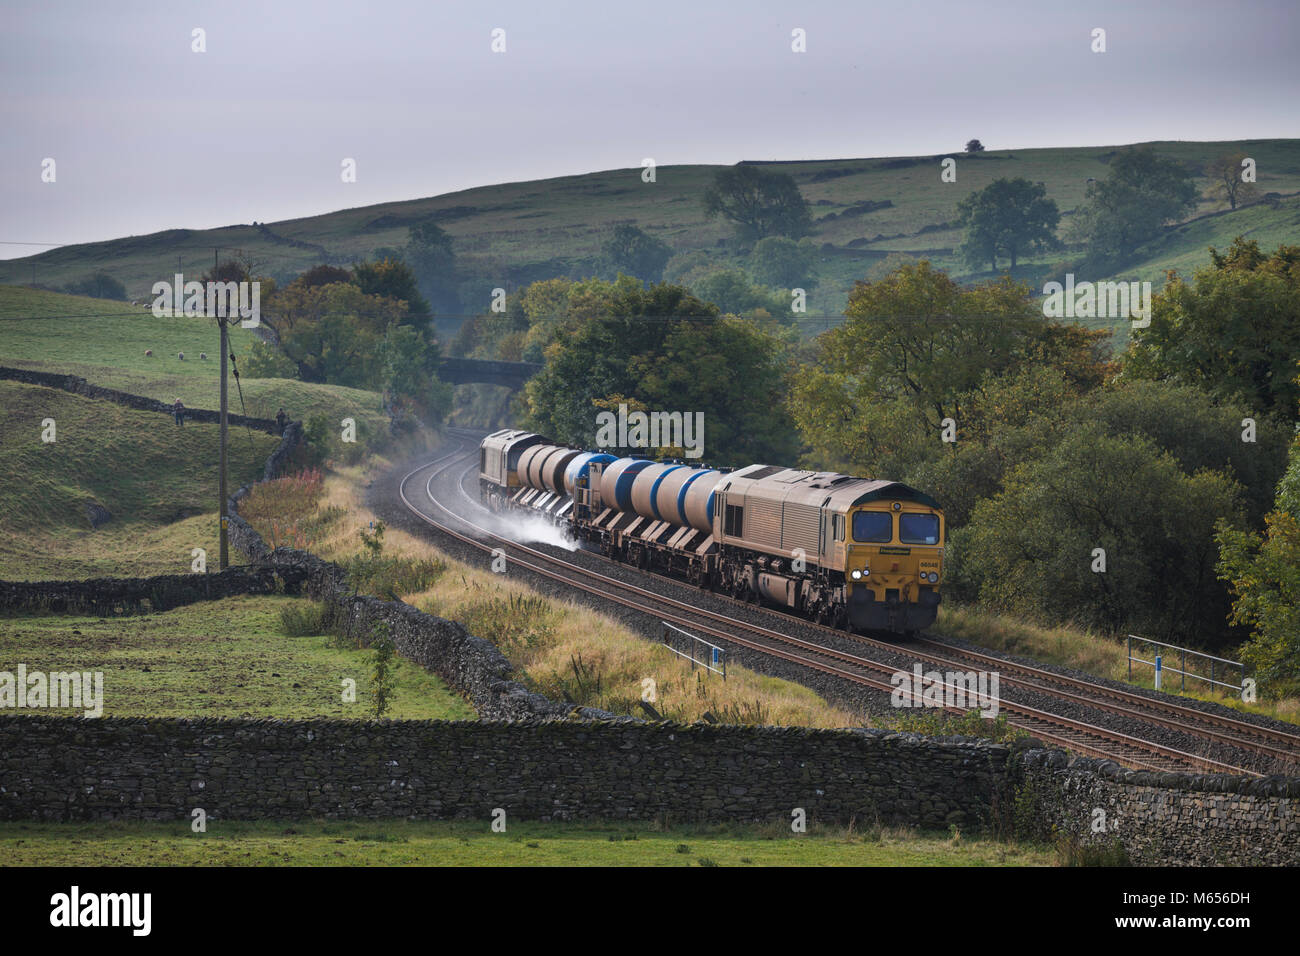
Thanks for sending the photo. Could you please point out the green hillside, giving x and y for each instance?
(514, 233)
(158, 481)
(105, 343)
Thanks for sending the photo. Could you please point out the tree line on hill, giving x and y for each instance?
(772, 252)
(367, 327)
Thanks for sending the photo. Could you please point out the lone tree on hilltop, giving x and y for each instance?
(974, 146)
(1005, 218)
(758, 203)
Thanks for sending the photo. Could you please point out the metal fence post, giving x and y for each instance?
(1184, 654)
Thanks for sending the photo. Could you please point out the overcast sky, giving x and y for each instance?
(148, 135)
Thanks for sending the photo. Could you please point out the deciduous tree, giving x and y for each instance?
(783, 263)
(1142, 192)
(630, 250)
(1234, 330)
(1006, 218)
(759, 203)
(1226, 184)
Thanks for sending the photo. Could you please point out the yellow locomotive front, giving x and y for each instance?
(893, 563)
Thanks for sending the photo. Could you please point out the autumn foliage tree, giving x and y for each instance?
(1233, 331)
(330, 329)
(920, 337)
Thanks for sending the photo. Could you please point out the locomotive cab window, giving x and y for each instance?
(918, 529)
(837, 527)
(875, 527)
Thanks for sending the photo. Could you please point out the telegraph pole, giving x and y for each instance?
(221, 479)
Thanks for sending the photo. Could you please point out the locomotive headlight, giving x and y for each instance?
(934, 577)
(856, 574)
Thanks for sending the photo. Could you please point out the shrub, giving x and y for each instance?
(1071, 851)
(101, 285)
(302, 619)
(389, 576)
(382, 679)
(514, 623)
(266, 361)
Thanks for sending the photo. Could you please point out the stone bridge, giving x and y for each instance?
(460, 371)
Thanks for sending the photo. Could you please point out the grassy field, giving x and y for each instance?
(224, 658)
(406, 843)
(514, 233)
(105, 343)
(157, 480)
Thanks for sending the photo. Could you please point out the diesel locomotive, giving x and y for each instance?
(853, 553)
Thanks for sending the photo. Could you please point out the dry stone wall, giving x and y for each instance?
(161, 769)
(1160, 818)
(106, 597)
(60, 768)
(79, 386)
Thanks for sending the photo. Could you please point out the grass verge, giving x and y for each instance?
(462, 843)
(1086, 651)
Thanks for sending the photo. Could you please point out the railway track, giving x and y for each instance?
(1077, 735)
